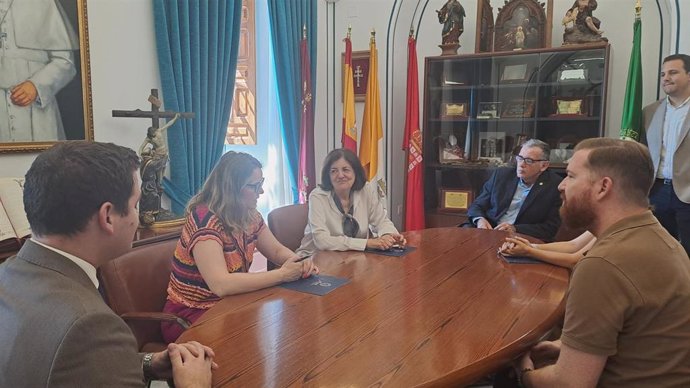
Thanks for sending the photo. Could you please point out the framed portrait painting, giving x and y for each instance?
(45, 77)
(521, 24)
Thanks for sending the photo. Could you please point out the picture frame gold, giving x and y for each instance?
(570, 106)
(74, 100)
(518, 109)
(360, 74)
(455, 200)
(454, 110)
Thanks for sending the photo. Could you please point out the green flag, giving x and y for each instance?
(631, 123)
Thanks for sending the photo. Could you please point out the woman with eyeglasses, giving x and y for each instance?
(217, 244)
(345, 209)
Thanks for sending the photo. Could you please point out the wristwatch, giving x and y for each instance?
(147, 365)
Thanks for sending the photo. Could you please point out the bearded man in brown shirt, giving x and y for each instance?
(627, 319)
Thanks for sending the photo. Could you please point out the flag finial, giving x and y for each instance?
(304, 31)
(373, 36)
(349, 31)
(411, 31)
(638, 8)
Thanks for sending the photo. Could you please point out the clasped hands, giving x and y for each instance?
(24, 94)
(387, 241)
(483, 223)
(295, 267)
(189, 364)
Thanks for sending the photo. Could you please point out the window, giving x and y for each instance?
(242, 123)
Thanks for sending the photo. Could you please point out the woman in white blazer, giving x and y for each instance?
(346, 212)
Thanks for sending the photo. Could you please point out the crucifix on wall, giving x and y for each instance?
(154, 158)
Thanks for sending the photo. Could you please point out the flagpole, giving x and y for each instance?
(631, 120)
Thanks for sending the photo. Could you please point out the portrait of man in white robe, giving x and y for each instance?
(37, 54)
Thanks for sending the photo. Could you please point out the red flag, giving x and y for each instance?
(306, 175)
(349, 136)
(412, 142)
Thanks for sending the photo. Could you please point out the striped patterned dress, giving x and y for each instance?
(186, 286)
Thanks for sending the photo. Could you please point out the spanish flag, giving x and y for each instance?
(349, 136)
(372, 130)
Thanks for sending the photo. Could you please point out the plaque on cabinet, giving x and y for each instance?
(455, 200)
(453, 110)
(515, 73)
(519, 109)
(569, 106)
(489, 110)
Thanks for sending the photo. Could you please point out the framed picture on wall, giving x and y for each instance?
(360, 73)
(56, 104)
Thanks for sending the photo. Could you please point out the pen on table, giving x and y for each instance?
(302, 258)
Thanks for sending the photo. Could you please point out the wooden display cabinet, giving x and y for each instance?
(557, 95)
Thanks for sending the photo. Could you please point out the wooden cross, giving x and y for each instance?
(154, 114)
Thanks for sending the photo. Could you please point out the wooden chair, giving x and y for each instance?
(135, 287)
(287, 223)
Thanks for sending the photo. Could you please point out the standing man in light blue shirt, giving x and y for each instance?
(667, 124)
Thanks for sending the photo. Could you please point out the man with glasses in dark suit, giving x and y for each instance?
(525, 200)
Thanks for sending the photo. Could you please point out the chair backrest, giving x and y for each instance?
(287, 223)
(137, 282)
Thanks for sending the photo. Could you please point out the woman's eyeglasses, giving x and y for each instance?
(350, 225)
(528, 161)
(256, 186)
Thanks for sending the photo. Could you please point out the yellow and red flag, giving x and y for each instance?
(412, 142)
(349, 136)
(372, 130)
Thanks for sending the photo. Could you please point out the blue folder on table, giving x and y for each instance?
(316, 284)
(397, 252)
(520, 259)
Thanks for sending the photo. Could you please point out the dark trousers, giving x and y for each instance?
(672, 213)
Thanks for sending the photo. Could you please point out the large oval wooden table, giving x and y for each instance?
(445, 314)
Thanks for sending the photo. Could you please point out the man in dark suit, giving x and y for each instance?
(81, 201)
(525, 200)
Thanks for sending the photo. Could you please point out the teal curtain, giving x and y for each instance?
(286, 19)
(197, 43)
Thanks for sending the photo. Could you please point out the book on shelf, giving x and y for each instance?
(14, 226)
